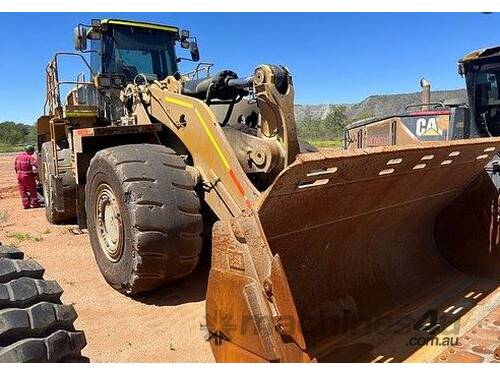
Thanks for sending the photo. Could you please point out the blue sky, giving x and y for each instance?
(334, 57)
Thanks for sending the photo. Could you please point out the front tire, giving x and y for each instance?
(142, 216)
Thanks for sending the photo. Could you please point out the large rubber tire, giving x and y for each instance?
(34, 325)
(156, 210)
(69, 184)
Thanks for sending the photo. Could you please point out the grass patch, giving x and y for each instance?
(10, 148)
(330, 143)
(23, 236)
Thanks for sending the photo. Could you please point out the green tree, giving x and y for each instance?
(31, 138)
(334, 123)
(309, 127)
(330, 128)
(12, 133)
(363, 115)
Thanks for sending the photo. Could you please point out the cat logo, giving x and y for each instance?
(428, 127)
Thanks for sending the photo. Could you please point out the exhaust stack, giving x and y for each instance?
(426, 94)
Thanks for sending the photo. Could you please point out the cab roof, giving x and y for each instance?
(481, 53)
(144, 25)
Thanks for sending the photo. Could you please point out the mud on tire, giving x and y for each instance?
(69, 184)
(142, 216)
(34, 325)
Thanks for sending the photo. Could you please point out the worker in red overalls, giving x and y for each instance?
(26, 166)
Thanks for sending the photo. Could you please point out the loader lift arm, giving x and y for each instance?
(228, 189)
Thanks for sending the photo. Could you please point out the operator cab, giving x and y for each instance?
(128, 51)
(125, 49)
(482, 74)
(124, 52)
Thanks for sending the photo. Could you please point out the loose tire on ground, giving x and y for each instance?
(69, 184)
(34, 325)
(143, 216)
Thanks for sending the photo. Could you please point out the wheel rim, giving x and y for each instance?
(109, 223)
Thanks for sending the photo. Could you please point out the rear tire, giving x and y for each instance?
(69, 185)
(142, 216)
(34, 325)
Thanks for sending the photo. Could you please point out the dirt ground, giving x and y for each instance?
(165, 326)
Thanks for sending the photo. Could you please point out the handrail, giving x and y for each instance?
(200, 67)
(53, 95)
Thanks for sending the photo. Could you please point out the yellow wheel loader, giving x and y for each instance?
(356, 255)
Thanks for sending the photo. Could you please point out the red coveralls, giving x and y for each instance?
(25, 166)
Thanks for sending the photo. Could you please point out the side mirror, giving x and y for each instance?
(195, 53)
(80, 38)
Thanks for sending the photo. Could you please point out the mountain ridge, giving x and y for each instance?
(378, 105)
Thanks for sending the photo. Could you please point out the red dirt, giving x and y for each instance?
(165, 326)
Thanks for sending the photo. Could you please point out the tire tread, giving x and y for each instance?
(34, 325)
